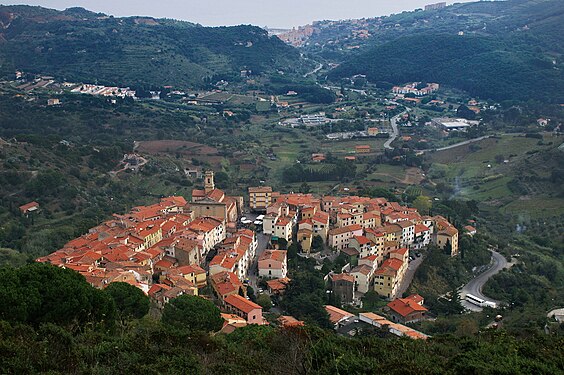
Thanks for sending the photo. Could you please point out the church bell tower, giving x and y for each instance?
(209, 185)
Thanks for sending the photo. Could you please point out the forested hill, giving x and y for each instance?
(79, 45)
(485, 67)
(498, 50)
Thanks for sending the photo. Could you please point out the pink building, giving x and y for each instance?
(244, 308)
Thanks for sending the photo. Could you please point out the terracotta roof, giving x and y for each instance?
(277, 255)
(347, 229)
(363, 269)
(362, 240)
(320, 216)
(390, 267)
(401, 251)
(193, 268)
(241, 304)
(336, 314)
(449, 231)
(216, 195)
(419, 228)
(350, 251)
(260, 189)
(198, 193)
(342, 277)
(278, 284)
(416, 298)
(289, 321)
(405, 306)
(405, 223)
(283, 221)
(24, 208)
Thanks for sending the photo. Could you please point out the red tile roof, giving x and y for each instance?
(336, 314)
(241, 304)
(405, 306)
(362, 240)
(277, 255)
(26, 207)
(342, 277)
(347, 229)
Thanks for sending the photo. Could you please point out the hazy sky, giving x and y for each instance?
(279, 13)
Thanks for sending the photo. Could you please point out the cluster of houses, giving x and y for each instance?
(163, 248)
(96, 90)
(412, 88)
(401, 311)
(373, 234)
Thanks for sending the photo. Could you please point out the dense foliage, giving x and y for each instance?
(491, 68)
(135, 51)
(42, 343)
(130, 301)
(193, 314)
(40, 293)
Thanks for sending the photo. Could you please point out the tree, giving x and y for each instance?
(423, 204)
(40, 293)
(305, 297)
(264, 301)
(192, 313)
(317, 243)
(130, 301)
(465, 112)
(372, 300)
(305, 188)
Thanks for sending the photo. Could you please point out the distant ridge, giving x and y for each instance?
(79, 45)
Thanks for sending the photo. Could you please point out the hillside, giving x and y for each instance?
(79, 45)
(506, 50)
(486, 67)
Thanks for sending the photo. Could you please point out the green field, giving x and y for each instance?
(485, 173)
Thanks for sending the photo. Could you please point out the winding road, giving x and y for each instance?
(476, 284)
(317, 69)
(395, 131)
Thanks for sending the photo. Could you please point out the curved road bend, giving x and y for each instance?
(476, 284)
(395, 131)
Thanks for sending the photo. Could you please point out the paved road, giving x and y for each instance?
(476, 284)
(263, 241)
(395, 131)
(317, 69)
(456, 144)
(410, 273)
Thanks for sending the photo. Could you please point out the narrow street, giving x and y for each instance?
(263, 241)
(408, 278)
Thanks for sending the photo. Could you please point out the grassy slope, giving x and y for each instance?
(469, 169)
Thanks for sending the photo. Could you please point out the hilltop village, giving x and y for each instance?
(206, 247)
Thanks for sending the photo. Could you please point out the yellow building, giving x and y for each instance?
(373, 131)
(305, 238)
(150, 235)
(446, 236)
(260, 197)
(388, 277)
